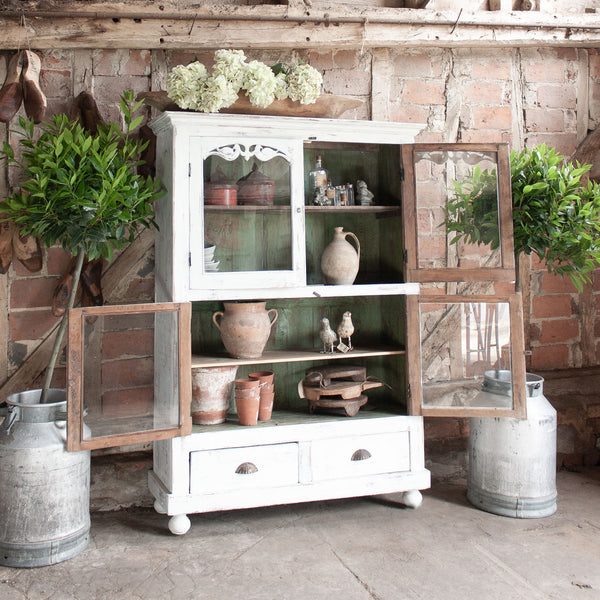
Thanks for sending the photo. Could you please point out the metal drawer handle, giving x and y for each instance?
(246, 468)
(361, 454)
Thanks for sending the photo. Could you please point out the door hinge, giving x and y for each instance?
(401, 172)
(189, 169)
(405, 256)
(408, 392)
(190, 259)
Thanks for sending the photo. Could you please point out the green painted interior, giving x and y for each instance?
(260, 239)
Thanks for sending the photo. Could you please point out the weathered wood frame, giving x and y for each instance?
(506, 272)
(190, 24)
(517, 358)
(75, 383)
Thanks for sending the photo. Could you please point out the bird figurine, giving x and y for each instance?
(346, 329)
(327, 335)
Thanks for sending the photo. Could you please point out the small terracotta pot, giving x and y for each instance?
(265, 408)
(247, 404)
(243, 384)
(247, 393)
(262, 376)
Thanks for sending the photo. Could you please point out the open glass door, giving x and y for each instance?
(129, 374)
(465, 329)
(465, 346)
(457, 212)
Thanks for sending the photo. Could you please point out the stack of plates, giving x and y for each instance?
(209, 263)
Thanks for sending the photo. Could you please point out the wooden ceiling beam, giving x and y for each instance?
(162, 25)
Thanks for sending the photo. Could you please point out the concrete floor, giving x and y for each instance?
(355, 549)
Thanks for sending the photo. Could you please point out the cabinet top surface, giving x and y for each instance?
(308, 129)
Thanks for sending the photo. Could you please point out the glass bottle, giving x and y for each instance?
(330, 193)
(317, 178)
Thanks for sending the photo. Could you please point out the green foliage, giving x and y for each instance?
(554, 215)
(473, 210)
(79, 189)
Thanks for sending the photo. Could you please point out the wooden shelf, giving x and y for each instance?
(378, 209)
(286, 356)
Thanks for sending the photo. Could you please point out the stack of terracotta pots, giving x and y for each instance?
(254, 397)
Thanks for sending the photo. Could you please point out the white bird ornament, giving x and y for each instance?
(346, 328)
(327, 335)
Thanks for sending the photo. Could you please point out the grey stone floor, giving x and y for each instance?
(355, 549)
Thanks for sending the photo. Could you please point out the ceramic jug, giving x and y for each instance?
(245, 327)
(339, 262)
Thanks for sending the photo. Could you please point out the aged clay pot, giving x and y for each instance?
(340, 260)
(247, 402)
(212, 390)
(245, 327)
(255, 188)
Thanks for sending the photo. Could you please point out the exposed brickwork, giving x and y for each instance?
(464, 95)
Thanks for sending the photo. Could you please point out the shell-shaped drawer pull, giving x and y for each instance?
(361, 454)
(246, 468)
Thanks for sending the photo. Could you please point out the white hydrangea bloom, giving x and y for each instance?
(259, 84)
(218, 93)
(232, 65)
(184, 84)
(304, 83)
(281, 91)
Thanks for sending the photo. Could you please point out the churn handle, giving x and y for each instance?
(214, 318)
(357, 242)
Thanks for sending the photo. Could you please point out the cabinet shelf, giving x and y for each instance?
(288, 356)
(316, 209)
(312, 291)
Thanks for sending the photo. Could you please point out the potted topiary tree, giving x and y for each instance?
(512, 462)
(555, 216)
(80, 189)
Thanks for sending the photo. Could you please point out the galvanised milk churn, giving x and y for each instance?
(512, 462)
(44, 490)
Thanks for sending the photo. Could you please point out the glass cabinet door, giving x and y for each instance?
(247, 220)
(458, 212)
(129, 374)
(466, 355)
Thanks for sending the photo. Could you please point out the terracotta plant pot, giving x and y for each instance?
(265, 408)
(262, 376)
(243, 384)
(247, 403)
(245, 327)
(212, 390)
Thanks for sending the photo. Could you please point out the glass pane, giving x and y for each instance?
(463, 345)
(247, 210)
(121, 393)
(457, 209)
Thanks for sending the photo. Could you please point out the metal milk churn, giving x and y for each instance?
(44, 490)
(512, 462)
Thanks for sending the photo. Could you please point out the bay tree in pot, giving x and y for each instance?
(80, 190)
(512, 462)
(555, 215)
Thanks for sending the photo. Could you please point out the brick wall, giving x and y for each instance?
(520, 96)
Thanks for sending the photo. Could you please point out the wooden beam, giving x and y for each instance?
(116, 272)
(166, 25)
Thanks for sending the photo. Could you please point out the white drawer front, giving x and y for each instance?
(243, 468)
(360, 455)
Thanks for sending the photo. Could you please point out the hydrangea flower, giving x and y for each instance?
(259, 83)
(232, 65)
(303, 83)
(185, 84)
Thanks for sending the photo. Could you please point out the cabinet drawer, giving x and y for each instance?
(226, 469)
(360, 455)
